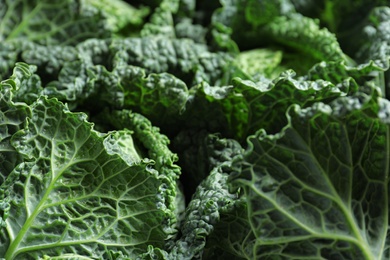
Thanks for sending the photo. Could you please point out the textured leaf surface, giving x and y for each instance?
(12, 118)
(247, 106)
(309, 185)
(319, 189)
(50, 22)
(76, 193)
(122, 18)
(202, 214)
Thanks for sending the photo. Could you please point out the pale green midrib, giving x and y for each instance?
(94, 192)
(41, 206)
(359, 241)
(312, 233)
(71, 256)
(387, 173)
(50, 33)
(362, 243)
(275, 204)
(26, 226)
(329, 236)
(316, 191)
(77, 242)
(382, 83)
(12, 249)
(24, 23)
(86, 241)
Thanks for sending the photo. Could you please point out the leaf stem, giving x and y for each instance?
(12, 249)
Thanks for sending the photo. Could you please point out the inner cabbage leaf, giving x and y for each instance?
(319, 189)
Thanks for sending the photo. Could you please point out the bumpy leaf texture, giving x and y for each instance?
(12, 119)
(51, 22)
(277, 23)
(242, 108)
(319, 188)
(312, 184)
(122, 18)
(78, 192)
(203, 212)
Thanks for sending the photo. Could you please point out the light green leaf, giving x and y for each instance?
(51, 22)
(261, 62)
(74, 194)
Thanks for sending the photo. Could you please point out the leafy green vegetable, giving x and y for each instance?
(182, 129)
(122, 18)
(246, 106)
(79, 192)
(78, 189)
(319, 188)
(51, 22)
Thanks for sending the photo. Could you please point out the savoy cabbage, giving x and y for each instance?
(183, 129)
